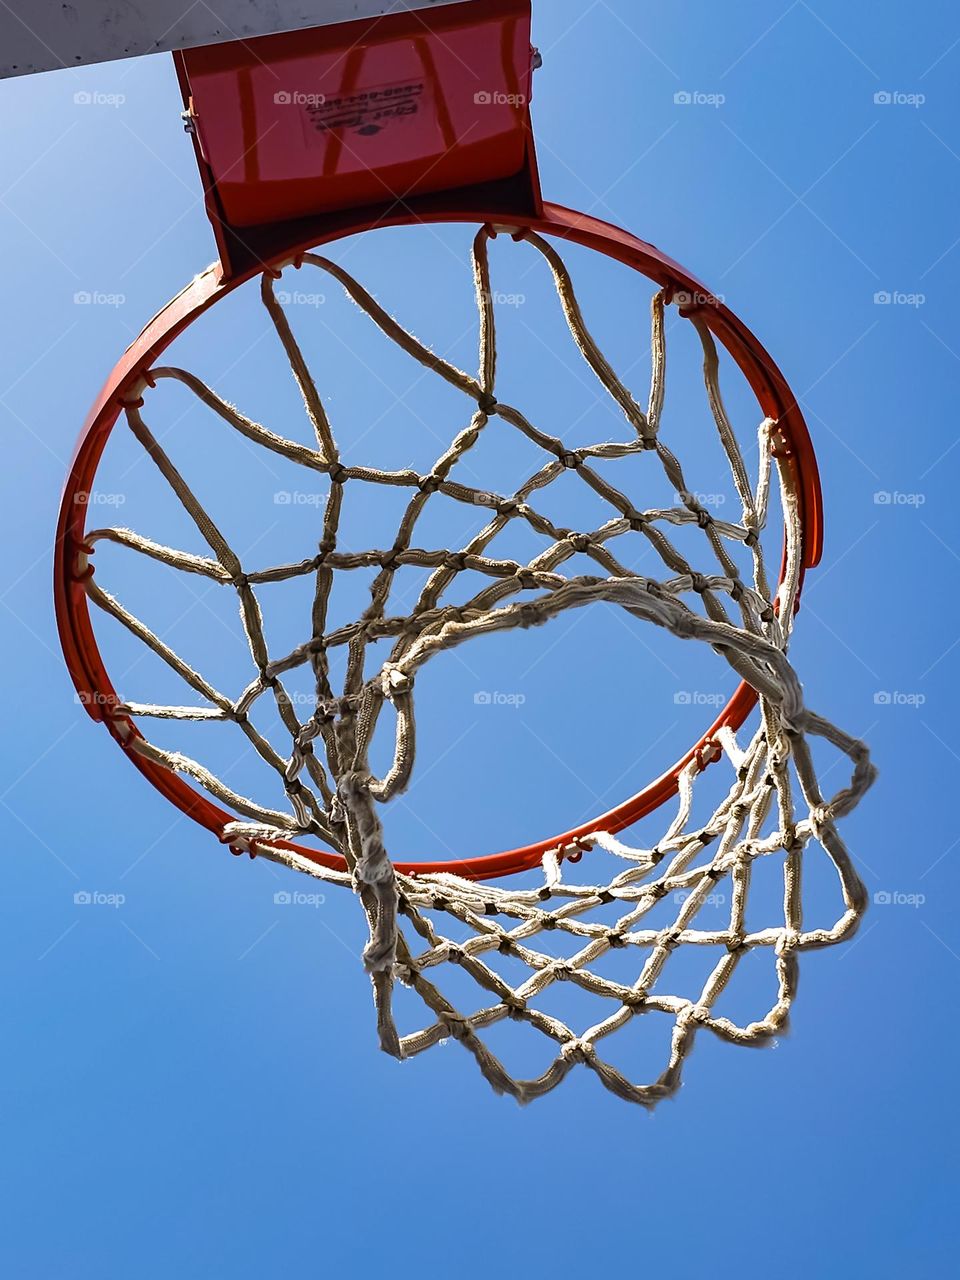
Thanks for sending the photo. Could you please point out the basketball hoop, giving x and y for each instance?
(336, 800)
(367, 114)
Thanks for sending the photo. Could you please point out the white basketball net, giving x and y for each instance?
(774, 808)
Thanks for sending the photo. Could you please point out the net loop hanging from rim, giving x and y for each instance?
(774, 806)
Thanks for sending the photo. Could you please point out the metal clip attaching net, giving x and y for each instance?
(708, 752)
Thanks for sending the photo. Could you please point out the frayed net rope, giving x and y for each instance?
(774, 805)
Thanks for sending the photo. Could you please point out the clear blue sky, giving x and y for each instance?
(190, 1084)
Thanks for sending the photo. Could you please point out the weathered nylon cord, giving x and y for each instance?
(336, 799)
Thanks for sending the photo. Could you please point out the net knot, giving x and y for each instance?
(429, 484)
(576, 1050)
(516, 1006)
(337, 473)
(394, 681)
(327, 710)
(820, 817)
(792, 841)
(569, 458)
(693, 1013)
(456, 1024)
(789, 941)
(487, 403)
(580, 542)
(637, 520)
(704, 518)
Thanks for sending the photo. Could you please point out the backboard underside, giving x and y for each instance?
(46, 35)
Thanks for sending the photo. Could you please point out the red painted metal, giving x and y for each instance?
(76, 632)
(348, 115)
(377, 115)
